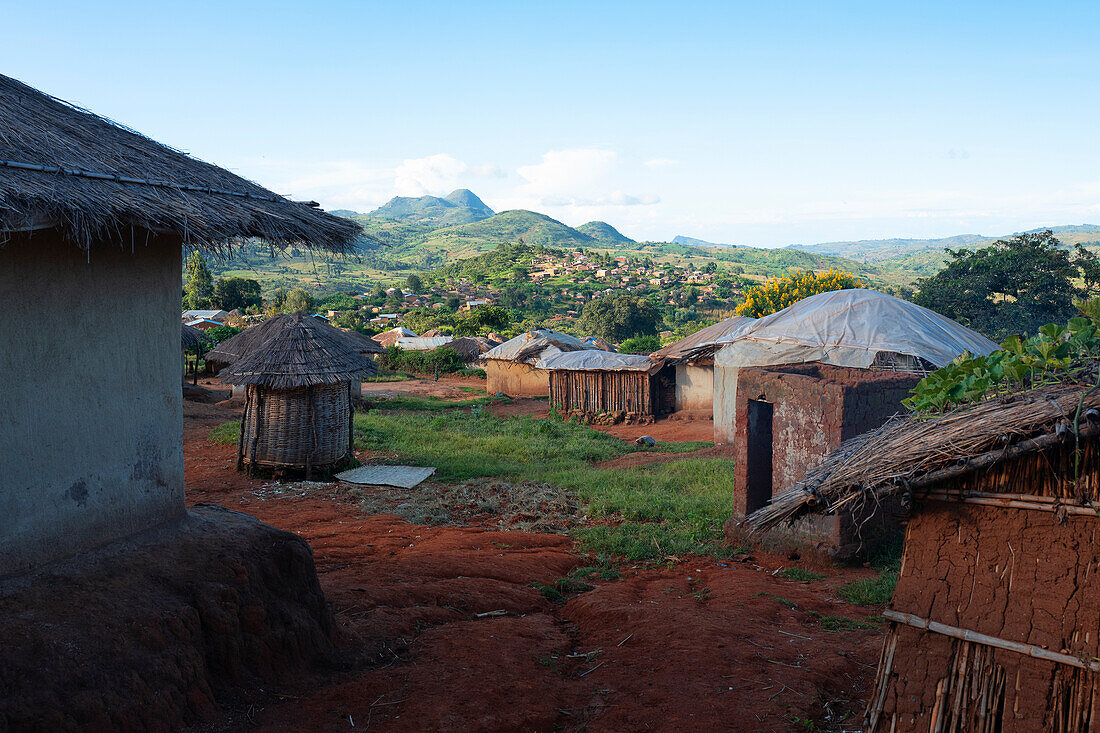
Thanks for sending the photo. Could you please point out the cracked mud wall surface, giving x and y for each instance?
(152, 632)
(91, 415)
(1013, 574)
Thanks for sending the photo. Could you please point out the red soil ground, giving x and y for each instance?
(694, 644)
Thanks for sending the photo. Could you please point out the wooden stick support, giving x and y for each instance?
(955, 632)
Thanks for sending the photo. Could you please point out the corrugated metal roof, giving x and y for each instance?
(423, 343)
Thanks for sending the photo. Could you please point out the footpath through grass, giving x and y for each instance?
(645, 512)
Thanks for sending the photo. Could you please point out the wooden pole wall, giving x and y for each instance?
(594, 392)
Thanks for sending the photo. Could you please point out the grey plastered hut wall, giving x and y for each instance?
(298, 404)
(93, 217)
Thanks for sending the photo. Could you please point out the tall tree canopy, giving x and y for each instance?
(618, 316)
(237, 292)
(1012, 286)
(198, 289)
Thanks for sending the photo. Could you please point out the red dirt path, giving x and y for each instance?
(697, 644)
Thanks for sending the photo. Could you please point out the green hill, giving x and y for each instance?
(604, 233)
(504, 228)
(457, 207)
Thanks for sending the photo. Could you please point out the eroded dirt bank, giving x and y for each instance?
(440, 628)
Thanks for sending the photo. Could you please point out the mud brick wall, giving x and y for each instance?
(815, 408)
(1013, 574)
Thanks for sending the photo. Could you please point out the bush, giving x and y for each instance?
(443, 360)
(778, 294)
(646, 344)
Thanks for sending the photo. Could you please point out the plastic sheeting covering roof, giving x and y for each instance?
(423, 343)
(850, 328)
(704, 337)
(532, 341)
(605, 361)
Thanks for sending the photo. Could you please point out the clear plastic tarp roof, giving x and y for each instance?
(850, 328)
(607, 361)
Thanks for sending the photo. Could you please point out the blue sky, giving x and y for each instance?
(749, 123)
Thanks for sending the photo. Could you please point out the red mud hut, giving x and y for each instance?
(995, 623)
(795, 384)
(298, 410)
(517, 367)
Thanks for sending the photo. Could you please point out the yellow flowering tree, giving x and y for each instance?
(778, 294)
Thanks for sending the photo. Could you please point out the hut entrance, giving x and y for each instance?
(758, 484)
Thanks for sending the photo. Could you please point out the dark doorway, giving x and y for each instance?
(758, 490)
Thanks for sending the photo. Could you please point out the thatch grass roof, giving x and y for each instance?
(908, 455)
(62, 166)
(252, 339)
(192, 337)
(304, 353)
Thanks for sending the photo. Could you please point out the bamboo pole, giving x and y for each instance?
(1030, 650)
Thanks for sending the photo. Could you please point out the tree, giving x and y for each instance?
(298, 300)
(199, 288)
(453, 303)
(414, 283)
(1013, 286)
(237, 292)
(616, 317)
(640, 344)
(777, 294)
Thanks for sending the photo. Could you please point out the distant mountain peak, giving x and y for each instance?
(460, 206)
(601, 231)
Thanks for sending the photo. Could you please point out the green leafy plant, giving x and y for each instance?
(1057, 354)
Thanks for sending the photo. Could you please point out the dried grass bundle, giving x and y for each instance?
(912, 453)
(304, 353)
(64, 166)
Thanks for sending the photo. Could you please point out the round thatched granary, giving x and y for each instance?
(298, 403)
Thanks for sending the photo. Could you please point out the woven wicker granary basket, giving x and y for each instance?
(305, 427)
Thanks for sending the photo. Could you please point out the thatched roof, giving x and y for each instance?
(62, 166)
(470, 348)
(251, 339)
(908, 455)
(192, 337)
(303, 353)
(704, 337)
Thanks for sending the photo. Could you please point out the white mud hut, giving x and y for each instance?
(857, 328)
(694, 364)
(517, 367)
(297, 410)
(93, 220)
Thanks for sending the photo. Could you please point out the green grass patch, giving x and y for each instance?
(560, 590)
(428, 404)
(799, 574)
(682, 446)
(388, 376)
(673, 508)
(480, 373)
(778, 599)
(876, 591)
(471, 390)
(226, 433)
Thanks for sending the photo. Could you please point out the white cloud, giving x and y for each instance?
(661, 163)
(437, 175)
(567, 172)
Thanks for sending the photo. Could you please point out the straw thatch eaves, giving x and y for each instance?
(62, 166)
(912, 455)
(192, 337)
(304, 353)
(248, 341)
